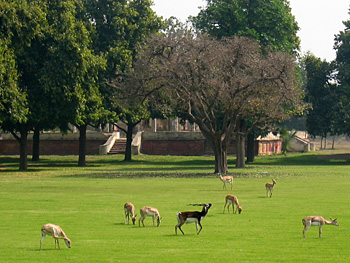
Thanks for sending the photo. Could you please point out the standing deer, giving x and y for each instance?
(232, 200)
(226, 179)
(269, 187)
(129, 210)
(192, 217)
(317, 221)
(56, 232)
(149, 211)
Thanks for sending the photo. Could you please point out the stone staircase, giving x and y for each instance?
(118, 147)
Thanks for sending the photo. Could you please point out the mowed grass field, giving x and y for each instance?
(88, 204)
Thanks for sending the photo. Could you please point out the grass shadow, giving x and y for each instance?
(302, 159)
(113, 175)
(167, 166)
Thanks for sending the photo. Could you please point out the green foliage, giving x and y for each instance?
(59, 55)
(88, 204)
(19, 24)
(56, 68)
(270, 22)
(342, 47)
(12, 102)
(286, 137)
(322, 94)
(119, 28)
(52, 56)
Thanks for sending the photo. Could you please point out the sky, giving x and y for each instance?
(319, 20)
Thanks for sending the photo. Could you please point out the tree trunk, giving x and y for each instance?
(220, 157)
(130, 128)
(23, 160)
(250, 148)
(82, 145)
(333, 142)
(36, 142)
(240, 160)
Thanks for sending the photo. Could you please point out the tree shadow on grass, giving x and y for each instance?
(170, 162)
(72, 161)
(7, 163)
(113, 175)
(303, 159)
(167, 165)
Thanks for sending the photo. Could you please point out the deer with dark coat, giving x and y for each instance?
(192, 217)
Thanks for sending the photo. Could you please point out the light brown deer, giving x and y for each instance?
(225, 179)
(269, 187)
(129, 210)
(56, 232)
(317, 221)
(149, 211)
(232, 200)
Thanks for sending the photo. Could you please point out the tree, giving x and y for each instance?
(286, 136)
(321, 95)
(91, 112)
(12, 102)
(270, 22)
(119, 29)
(64, 68)
(51, 53)
(20, 23)
(134, 103)
(342, 47)
(222, 82)
(131, 106)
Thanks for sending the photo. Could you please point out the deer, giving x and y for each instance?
(150, 211)
(269, 187)
(192, 217)
(232, 200)
(317, 221)
(56, 232)
(129, 210)
(225, 179)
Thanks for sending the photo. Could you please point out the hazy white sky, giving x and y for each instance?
(319, 20)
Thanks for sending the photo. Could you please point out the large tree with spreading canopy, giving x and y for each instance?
(219, 83)
(271, 23)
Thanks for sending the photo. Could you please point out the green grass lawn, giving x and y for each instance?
(88, 204)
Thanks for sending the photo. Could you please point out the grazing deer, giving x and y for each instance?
(269, 187)
(192, 217)
(317, 221)
(226, 179)
(56, 232)
(232, 200)
(149, 211)
(129, 210)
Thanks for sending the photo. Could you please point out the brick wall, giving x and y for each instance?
(54, 143)
(193, 143)
(172, 147)
(51, 147)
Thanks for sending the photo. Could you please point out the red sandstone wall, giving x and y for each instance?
(51, 147)
(185, 147)
(173, 147)
(155, 147)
